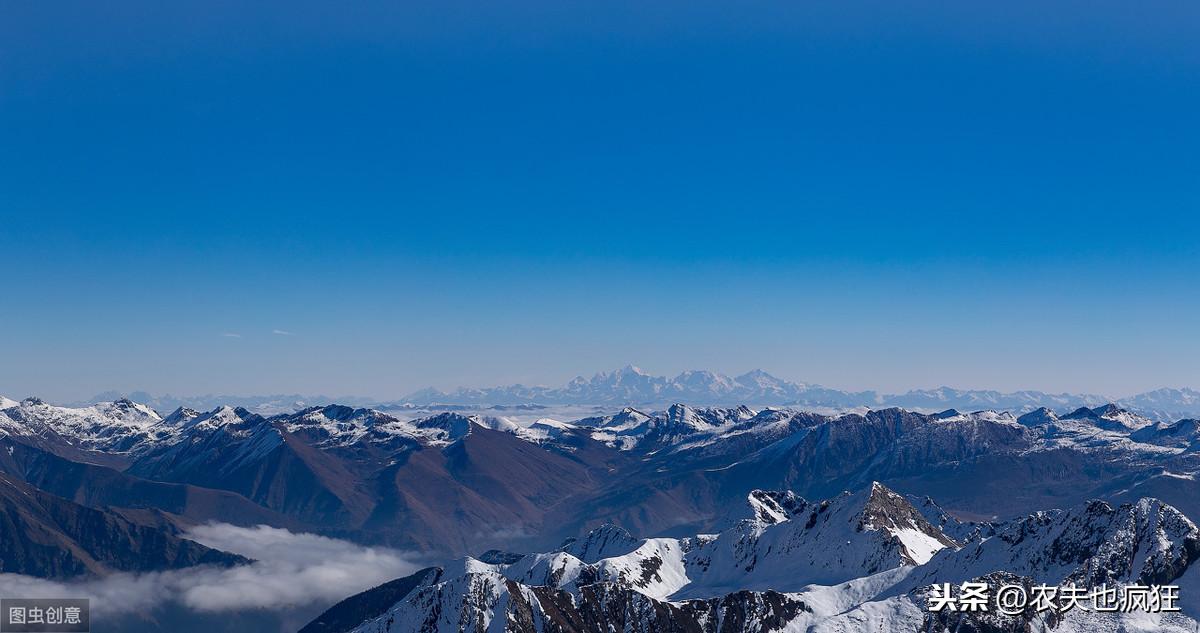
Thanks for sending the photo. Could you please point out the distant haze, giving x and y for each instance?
(631, 386)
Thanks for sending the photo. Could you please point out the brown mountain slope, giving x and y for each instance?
(47, 536)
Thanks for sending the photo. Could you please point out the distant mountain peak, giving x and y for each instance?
(1038, 417)
(630, 385)
(180, 416)
(1111, 417)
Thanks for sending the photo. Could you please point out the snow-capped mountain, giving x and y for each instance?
(630, 386)
(1110, 417)
(451, 483)
(887, 556)
(634, 387)
(268, 404)
(110, 427)
(1146, 542)
(402, 481)
(1183, 434)
(1093, 545)
(1165, 404)
(631, 428)
(791, 543)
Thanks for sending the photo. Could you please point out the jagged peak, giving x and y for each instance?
(454, 425)
(887, 510)
(339, 411)
(1110, 416)
(126, 408)
(757, 375)
(468, 565)
(223, 416)
(1109, 410)
(1147, 541)
(775, 506)
(679, 409)
(181, 415)
(1038, 416)
(499, 557)
(444, 417)
(605, 541)
(1086, 412)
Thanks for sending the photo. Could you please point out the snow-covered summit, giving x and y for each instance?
(1110, 417)
(606, 541)
(115, 427)
(659, 585)
(786, 544)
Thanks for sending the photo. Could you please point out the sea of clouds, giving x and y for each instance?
(290, 570)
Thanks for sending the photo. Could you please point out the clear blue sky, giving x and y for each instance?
(863, 194)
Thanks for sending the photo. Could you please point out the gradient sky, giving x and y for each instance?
(879, 195)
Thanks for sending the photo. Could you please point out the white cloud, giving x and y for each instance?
(291, 569)
(283, 333)
(231, 335)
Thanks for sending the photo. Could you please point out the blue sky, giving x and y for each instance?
(861, 194)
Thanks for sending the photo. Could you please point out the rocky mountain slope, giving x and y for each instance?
(661, 585)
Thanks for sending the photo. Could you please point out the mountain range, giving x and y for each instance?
(858, 562)
(633, 387)
(674, 513)
(455, 484)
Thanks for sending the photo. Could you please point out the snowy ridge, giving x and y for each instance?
(788, 544)
(646, 589)
(127, 427)
(1148, 542)
(115, 427)
(606, 541)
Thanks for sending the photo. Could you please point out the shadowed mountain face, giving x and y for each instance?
(152, 501)
(44, 535)
(370, 604)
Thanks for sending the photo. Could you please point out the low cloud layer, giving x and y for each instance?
(291, 569)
